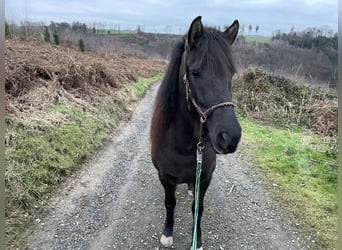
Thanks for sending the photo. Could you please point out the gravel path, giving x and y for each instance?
(116, 202)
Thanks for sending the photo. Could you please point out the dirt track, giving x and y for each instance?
(116, 202)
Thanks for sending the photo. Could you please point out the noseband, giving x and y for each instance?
(203, 114)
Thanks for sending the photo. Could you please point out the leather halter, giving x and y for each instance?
(203, 114)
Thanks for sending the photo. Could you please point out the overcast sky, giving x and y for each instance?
(176, 16)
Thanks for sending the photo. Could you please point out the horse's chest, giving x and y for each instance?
(183, 167)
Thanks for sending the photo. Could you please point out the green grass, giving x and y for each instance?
(142, 84)
(50, 152)
(305, 169)
(256, 38)
(39, 154)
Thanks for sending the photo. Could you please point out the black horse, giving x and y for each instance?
(193, 107)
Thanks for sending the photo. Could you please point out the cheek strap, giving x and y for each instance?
(202, 114)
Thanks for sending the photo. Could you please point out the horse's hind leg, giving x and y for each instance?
(170, 203)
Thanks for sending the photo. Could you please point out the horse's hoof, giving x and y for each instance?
(166, 241)
(190, 192)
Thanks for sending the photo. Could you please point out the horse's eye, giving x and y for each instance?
(195, 73)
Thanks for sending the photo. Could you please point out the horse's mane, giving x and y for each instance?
(166, 103)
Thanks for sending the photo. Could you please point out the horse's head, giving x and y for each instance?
(208, 71)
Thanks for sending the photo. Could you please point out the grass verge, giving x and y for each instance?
(139, 88)
(40, 153)
(303, 168)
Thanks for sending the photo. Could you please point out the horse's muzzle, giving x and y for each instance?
(227, 143)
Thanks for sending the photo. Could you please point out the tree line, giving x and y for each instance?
(310, 55)
(321, 40)
(310, 38)
(54, 33)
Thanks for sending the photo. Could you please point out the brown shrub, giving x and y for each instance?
(38, 74)
(268, 97)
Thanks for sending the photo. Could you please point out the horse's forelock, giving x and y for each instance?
(212, 44)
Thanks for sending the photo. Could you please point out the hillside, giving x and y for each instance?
(279, 57)
(309, 56)
(146, 44)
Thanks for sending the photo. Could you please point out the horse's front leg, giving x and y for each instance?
(203, 188)
(170, 203)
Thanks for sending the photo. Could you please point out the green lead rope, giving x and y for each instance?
(197, 189)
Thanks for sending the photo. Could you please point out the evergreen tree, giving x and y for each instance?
(138, 29)
(23, 32)
(7, 29)
(56, 38)
(81, 44)
(46, 34)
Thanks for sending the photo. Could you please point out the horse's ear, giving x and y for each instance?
(232, 31)
(195, 31)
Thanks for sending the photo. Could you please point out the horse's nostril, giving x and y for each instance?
(227, 143)
(223, 140)
(225, 136)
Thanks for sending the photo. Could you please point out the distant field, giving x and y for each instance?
(260, 39)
